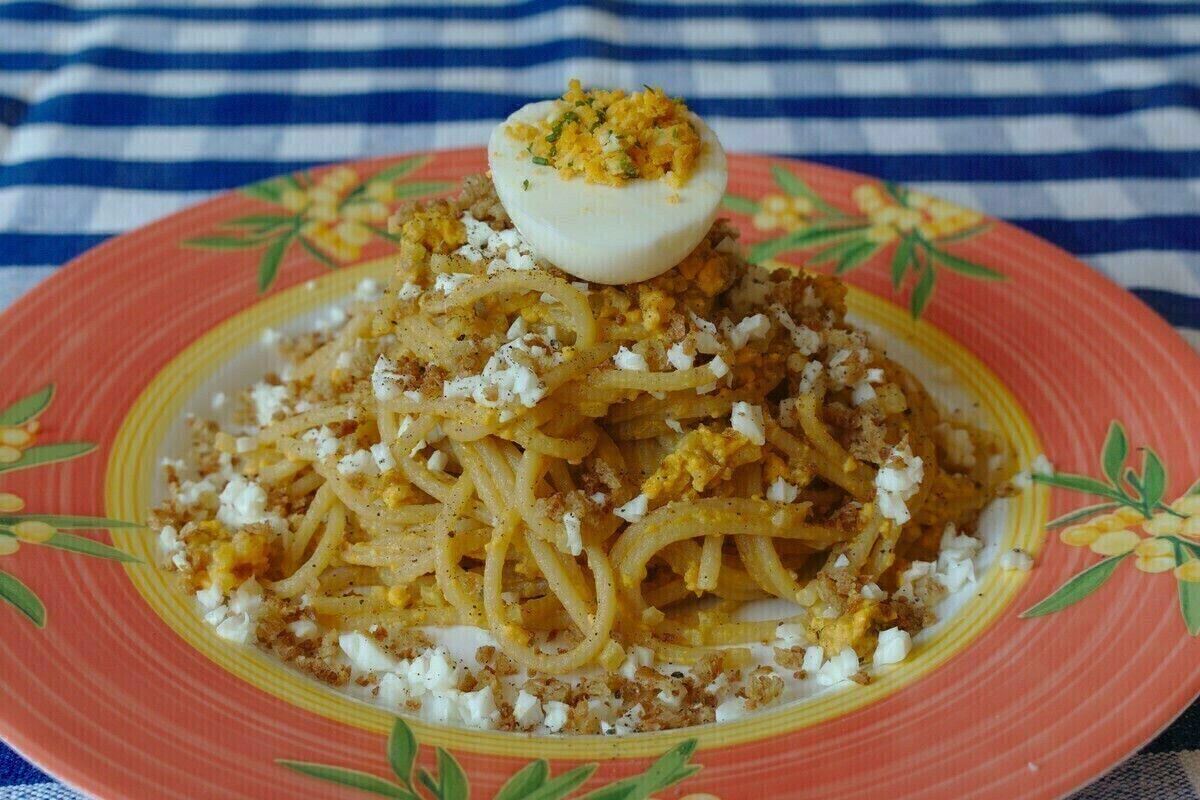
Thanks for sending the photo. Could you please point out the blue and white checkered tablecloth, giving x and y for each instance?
(1079, 122)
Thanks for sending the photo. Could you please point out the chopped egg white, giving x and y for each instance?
(782, 492)
(791, 633)
(897, 481)
(605, 234)
(635, 509)
(1016, 560)
(574, 538)
(368, 289)
(508, 378)
(327, 444)
(210, 598)
(893, 647)
(814, 657)
(360, 462)
(871, 591)
(448, 282)
(838, 668)
(755, 327)
(384, 459)
(679, 358)
(303, 629)
(747, 420)
(268, 401)
(239, 629)
(629, 360)
(394, 690)
(385, 380)
(364, 654)
(478, 709)
(527, 710)
(637, 656)
(731, 709)
(247, 599)
(243, 503)
(555, 715)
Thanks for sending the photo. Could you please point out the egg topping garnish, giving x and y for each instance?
(610, 187)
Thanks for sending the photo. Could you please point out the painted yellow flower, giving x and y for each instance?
(1113, 535)
(10, 504)
(781, 211)
(928, 216)
(1189, 571)
(1086, 534)
(332, 220)
(1154, 555)
(382, 191)
(1115, 543)
(35, 531)
(15, 440)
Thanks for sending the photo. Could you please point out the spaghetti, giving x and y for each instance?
(585, 472)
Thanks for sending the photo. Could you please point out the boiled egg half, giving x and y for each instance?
(602, 233)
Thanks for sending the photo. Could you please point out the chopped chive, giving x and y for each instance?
(525, 184)
(541, 162)
(570, 116)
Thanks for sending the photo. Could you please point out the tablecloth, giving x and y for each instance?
(1079, 122)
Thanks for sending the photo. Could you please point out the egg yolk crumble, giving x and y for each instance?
(611, 137)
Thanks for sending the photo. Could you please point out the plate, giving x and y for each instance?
(1038, 684)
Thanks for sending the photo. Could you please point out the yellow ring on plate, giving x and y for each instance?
(132, 470)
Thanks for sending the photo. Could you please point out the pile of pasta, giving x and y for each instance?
(586, 489)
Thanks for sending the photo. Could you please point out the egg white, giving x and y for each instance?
(605, 234)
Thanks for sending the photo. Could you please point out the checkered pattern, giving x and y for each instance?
(1078, 122)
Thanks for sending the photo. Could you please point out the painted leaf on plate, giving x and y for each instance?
(27, 408)
(1189, 592)
(1082, 514)
(1114, 453)
(352, 779)
(402, 751)
(563, 785)
(22, 598)
(88, 547)
(48, 454)
(1077, 588)
(740, 205)
(525, 782)
(964, 267)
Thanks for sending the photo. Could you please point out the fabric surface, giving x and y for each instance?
(1080, 123)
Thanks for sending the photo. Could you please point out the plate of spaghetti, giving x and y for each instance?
(593, 463)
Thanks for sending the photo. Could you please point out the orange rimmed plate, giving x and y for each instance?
(1036, 685)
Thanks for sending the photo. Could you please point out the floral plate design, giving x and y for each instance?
(1039, 684)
